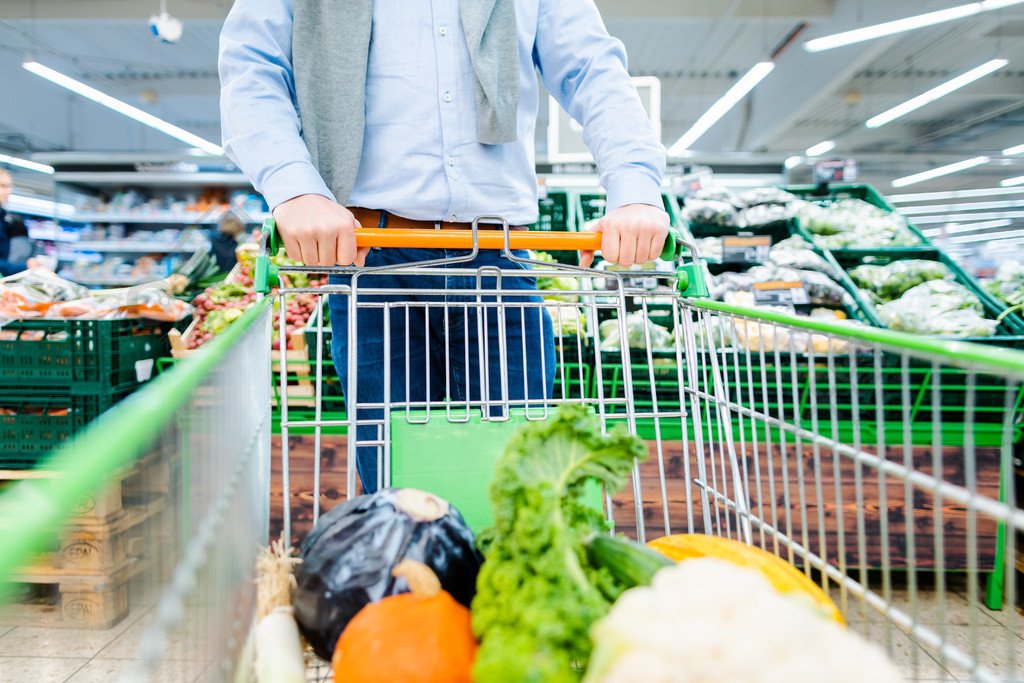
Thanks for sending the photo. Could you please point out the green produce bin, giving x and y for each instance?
(1010, 331)
(865, 193)
(32, 423)
(556, 213)
(84, 355)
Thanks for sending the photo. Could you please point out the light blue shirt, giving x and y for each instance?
(421, 159)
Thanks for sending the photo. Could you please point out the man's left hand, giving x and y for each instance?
(631, 234)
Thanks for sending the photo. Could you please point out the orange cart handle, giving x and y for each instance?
(487, 238)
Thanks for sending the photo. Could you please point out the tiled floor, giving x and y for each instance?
(42, 655)
(36, 655)
(997, 645)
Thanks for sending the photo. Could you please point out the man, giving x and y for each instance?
(11, 226)
(225, 241)
(423, 114)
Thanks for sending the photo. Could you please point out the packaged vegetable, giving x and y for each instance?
(550, 286)
(712, 212)
(820, 288)
(767, 195)
(637, 336)
(938, 307)
(709, 248)
(1008, 283)
(852, 223)
(796, 252)
(891, 281)
(348, 558)
(566, 321)
(716, 193)
(765, 215)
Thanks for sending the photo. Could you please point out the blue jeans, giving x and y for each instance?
(439, 346)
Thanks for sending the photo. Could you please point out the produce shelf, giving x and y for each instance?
(32, 423)
(137, 246)
(80, 356)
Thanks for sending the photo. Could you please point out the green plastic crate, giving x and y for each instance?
(80, 355)
(1010, 331)
(556, 213)
(864, 193)
(34, 423)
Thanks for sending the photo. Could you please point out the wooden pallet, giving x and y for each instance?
(131, 485)
(88, 600)
(100, 546)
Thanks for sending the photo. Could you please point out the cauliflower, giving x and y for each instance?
(706, 620)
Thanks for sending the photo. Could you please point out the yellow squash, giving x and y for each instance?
(781, 574)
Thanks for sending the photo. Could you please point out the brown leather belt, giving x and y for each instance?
(369, 218)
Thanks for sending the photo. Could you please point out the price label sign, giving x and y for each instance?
(780, 293)
(746, 249)
(835, 171)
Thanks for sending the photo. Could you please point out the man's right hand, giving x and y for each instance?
(319, 232)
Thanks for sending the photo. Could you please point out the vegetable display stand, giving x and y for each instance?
(1008, 331)
(32, 423)
(863, 193)
(835, 192)
(80, 356)
(556, 212)
(803, 437)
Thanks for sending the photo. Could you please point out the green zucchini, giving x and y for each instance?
(628, 562)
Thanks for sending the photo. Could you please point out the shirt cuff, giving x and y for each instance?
(292, 180)
(632, 188)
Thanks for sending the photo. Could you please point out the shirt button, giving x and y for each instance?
(451, 161)
(452, 219)
(443, 31)
(447, 97)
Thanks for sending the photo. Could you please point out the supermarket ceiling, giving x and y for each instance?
(698, 48)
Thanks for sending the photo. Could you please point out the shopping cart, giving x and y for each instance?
(880, 463)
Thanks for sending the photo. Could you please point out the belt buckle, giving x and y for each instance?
(437, 225)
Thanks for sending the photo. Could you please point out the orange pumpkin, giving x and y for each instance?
(420, 637)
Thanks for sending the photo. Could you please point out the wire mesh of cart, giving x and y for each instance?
(881, 464)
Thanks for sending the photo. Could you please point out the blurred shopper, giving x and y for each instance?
(225, 241)
(15, 247)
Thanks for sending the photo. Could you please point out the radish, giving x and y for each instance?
(278, 648)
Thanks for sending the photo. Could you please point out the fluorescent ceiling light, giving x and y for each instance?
(962, 217)
(940, 171)
(952, 194)
(900, 25)
(935, 93)
(1009, 182)
(1010, 151)
(723, 105)
(820, 148)
(793, 162)
(966, 206)
(25, 163)
(989, 237)
(122, 107)
(954, 228)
